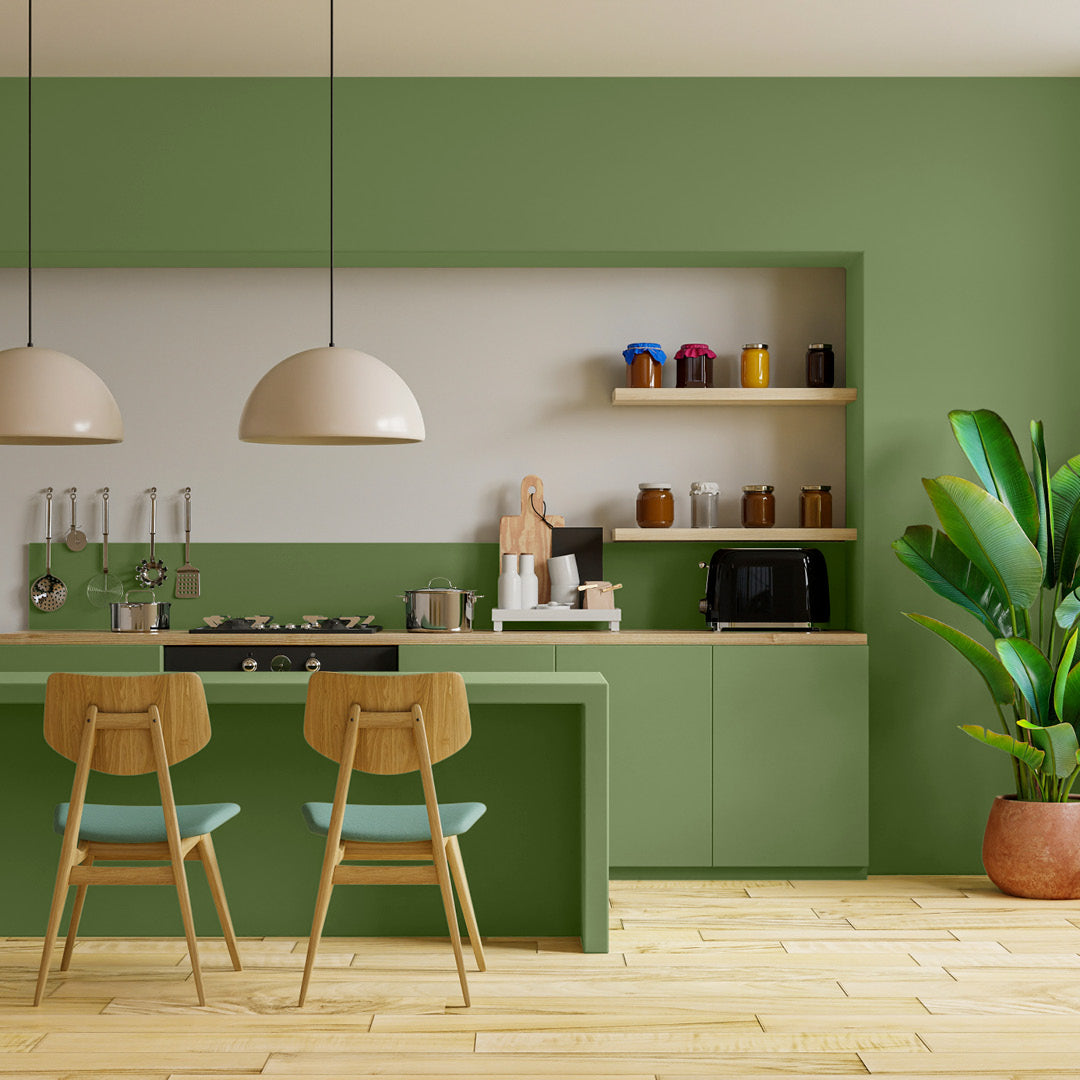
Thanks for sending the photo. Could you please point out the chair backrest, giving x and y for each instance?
(441, 696)
(179, 697)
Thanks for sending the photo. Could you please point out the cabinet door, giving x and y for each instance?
(468, 657)
(660, 746)
(790, 750)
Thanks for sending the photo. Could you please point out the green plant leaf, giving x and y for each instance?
(995, 675)
(984, 530)
(1031, 672)
(1069, 710)
(1065, 486)
(1044, 543)
(1068, 611)
(1061, 678)
(990, 447)
(1030, 755)
(951, 574)
(1058, 742)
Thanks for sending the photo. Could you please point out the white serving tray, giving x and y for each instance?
(611, 616)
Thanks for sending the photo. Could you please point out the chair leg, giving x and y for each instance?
(322, 905)
(442, 871)
(457, 869)
(208, 857)
(184, 896)
(76, 915)
(56, 911)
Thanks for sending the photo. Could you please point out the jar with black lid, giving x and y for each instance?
(820, 366)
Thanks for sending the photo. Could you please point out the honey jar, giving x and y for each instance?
(644, 365)
(758, 506)
(693, 367)
(655, 506)
(754, 365)
(820, 365)
(815, 507)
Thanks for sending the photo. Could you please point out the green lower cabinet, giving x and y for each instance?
(660, 749)
(476, 657)
(121, 657)
(790, 753)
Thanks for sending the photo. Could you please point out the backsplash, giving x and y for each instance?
(662, 583)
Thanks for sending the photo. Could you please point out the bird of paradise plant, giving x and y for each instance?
(1007, 553)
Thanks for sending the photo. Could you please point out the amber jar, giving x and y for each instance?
(820, 366)
(815, 507)
(693, 367)
(655, 506)
(758, 507)
(754, 365)
(644, 365)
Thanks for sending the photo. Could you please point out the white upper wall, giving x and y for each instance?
(545, 37)
(513, 369)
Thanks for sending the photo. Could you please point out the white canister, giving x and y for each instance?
(704, 505)
(530, 587)
(510, 583)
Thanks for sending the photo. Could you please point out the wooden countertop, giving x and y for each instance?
(475, 637)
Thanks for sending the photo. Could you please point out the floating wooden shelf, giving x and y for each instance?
(729, 535)
(735, 395)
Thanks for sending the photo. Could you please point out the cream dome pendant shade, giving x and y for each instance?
(333, 397)
(48, 397)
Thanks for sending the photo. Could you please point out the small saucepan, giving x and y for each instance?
(140, 616)
(434, 610)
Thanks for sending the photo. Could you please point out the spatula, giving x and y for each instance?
(187, 577)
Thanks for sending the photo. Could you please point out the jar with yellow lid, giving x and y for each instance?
(754, 365)
(758, 506)
(815, 507)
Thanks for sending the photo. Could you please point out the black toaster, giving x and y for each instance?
(766, 589)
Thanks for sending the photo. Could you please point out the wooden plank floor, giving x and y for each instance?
(900, 976)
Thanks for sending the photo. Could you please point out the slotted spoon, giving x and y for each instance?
(48, 593)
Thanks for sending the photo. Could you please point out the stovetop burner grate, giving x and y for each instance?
(264, 624)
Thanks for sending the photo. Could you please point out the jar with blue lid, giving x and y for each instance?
(644, 365)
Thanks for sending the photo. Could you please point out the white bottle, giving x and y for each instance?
(509, 584)
(530, 587)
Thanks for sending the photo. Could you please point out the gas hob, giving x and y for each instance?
(311, 624)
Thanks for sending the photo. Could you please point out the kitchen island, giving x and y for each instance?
(537, 861)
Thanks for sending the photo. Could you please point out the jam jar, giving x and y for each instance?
(655, 506)
(644, 364)
(820, 366)
(758, 506)
(693, 367)
(815, 507)
(754, 365)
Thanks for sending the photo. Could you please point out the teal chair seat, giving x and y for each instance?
(107, 824)
(393, 824)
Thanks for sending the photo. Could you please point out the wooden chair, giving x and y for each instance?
(387, 724)
(127, 725)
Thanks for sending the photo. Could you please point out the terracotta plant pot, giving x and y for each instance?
(1032, 849)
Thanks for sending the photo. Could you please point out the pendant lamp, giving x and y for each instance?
(331, 396)
(47, 396)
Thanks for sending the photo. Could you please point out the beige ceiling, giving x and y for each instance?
(545, 37)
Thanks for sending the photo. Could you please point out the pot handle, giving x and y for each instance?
(449, 583)
(137, 592)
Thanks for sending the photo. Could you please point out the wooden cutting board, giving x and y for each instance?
(526, 533)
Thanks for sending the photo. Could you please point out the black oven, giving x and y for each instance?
(272, 658)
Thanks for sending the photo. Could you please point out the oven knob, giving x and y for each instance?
(281, 663)
(249, 663)
(313, 663)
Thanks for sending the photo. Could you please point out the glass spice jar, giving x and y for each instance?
(754, 365)
(644, 365)
(655, 506)
(820, 365)
(693, 367)
(704, 504)
(758, 506)
(815, 507)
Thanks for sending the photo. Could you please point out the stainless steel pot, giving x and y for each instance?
(434, 610)
(140, 616)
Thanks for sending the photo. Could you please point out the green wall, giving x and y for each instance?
(954, 200)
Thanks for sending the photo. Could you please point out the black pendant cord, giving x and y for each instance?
(29, 174)
(331, 173)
